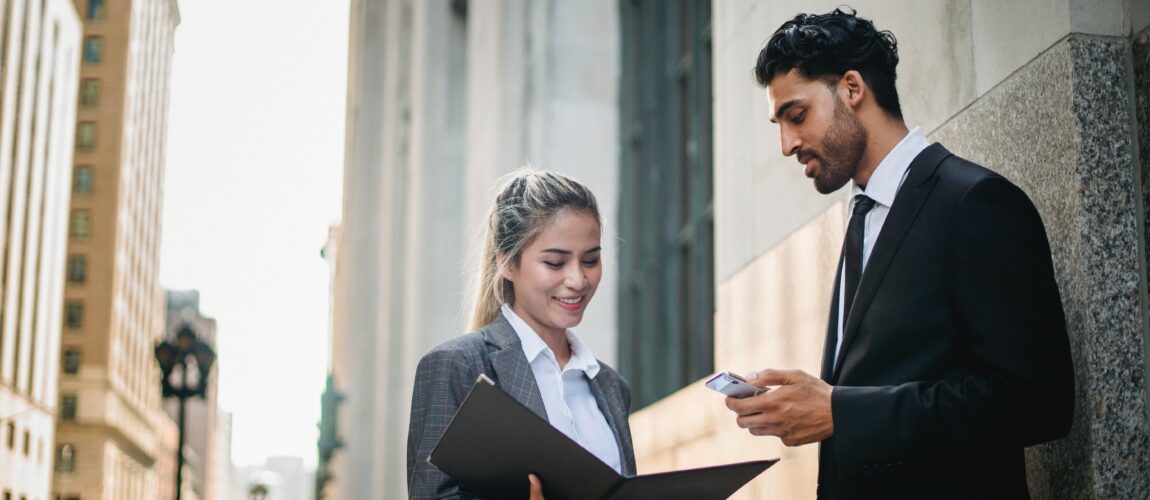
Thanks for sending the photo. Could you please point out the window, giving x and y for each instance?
(90, 92)
(80, 226)
(65, 458)
(77, 268)
(74, 314)
(666, 294)
(11, 435)
(86, 136)
(68, 407)
(27, 443)
(71, 360)
(82, 179)
(93, 49)
(95, 10)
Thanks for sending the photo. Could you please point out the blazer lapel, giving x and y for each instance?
(833, 324)
(613, 408)
(908, 202)
(512, 371)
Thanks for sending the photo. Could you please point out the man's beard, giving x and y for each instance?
(843, 145)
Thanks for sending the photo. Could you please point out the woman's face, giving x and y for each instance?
(558, 273)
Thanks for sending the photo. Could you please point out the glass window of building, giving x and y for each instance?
(82, 179)
(666, 269)
(86, 136)
(80, 225)
(90, 92)
(68, 406)
(74, 314)
(77, 268)
(95, 10)
(11, 435)
(93, 49)
(71, 361)
(65, 458)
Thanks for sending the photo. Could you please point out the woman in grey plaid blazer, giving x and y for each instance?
(539, 270)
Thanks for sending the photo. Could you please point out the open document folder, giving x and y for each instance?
(493, 442)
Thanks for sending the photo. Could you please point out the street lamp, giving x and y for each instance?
(258, 492)
(169, 355)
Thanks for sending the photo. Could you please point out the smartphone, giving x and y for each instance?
(733, 385)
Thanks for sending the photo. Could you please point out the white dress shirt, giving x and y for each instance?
(567, 396)
(882, 187)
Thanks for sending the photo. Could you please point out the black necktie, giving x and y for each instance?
(856, 231)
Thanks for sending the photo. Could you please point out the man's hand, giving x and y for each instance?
(536, 487)
(798, 410)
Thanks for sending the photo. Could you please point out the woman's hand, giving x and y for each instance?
(536, 487)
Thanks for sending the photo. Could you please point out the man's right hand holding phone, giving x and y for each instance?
(797, 408)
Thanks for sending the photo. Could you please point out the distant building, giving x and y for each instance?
(285, 478)
(114, 307)
(223, 462)
(40, 43)
(201, 432)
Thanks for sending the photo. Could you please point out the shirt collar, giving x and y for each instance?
(888, 176)
(533, 345)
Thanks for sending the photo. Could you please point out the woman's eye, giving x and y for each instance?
(590, 262)
(553, 265)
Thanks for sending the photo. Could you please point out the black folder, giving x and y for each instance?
(493, 442)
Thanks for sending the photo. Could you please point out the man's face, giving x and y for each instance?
(817, 127)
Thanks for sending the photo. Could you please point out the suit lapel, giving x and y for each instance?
(908, 202)
(613, 408)
(512, 371)
(833, 323)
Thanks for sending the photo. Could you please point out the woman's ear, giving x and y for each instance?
(506, 268)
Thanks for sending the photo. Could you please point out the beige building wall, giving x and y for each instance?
(39, 54)
(1027, 88)
(443, 98)
(115, 315)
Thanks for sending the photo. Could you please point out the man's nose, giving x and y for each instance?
(789, 141)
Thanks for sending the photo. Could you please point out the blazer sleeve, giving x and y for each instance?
(1019, 389)
(442, 380)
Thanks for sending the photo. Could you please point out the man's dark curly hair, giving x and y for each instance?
(828, 45)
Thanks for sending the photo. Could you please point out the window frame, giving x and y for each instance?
(666, 298)
(74, 309)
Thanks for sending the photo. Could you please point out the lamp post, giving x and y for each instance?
(170, 355)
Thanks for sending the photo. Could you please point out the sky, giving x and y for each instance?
(253, 181)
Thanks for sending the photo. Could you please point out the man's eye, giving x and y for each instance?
(798, 118)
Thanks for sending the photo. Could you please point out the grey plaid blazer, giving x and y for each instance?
(446, 374)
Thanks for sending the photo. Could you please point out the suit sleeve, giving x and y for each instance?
(1019, 389)
(442, 380)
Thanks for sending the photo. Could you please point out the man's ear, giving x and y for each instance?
(852, 87)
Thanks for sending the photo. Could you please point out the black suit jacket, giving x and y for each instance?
(955, 355)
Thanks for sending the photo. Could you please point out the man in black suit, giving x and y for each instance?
(946, 350)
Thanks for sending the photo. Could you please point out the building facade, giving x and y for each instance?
(201, 432)
(39, 56)
(444, 97)
(114, 310)
(719, 253)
